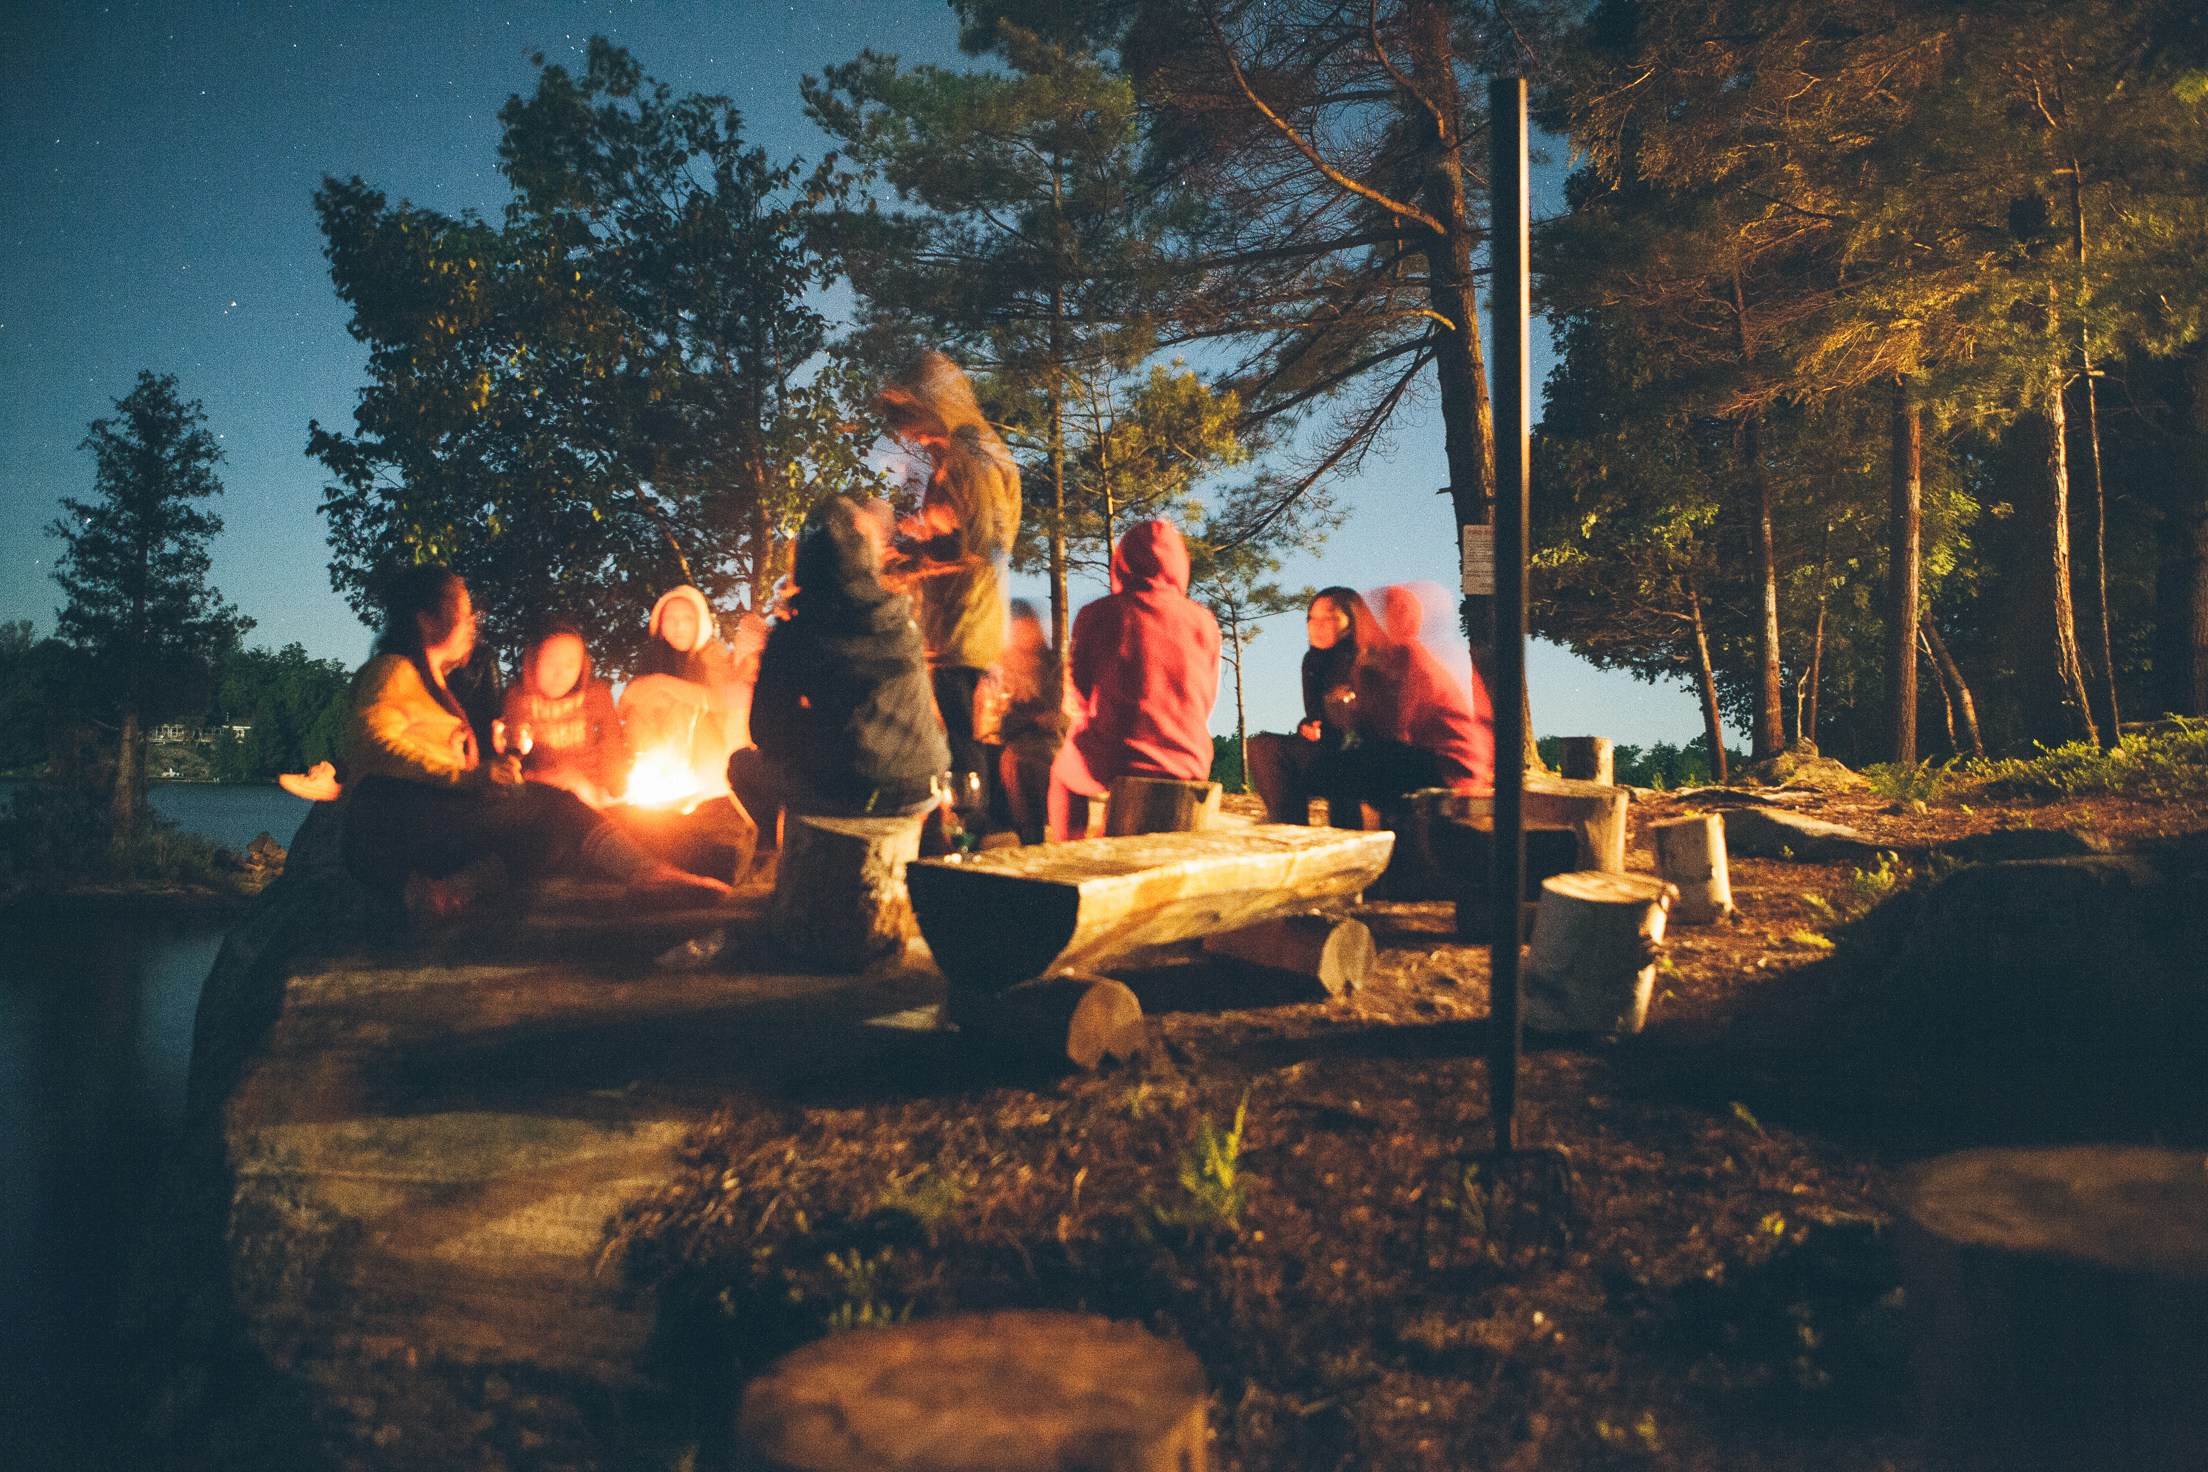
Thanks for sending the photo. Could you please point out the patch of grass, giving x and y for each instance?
(2169, 762)
(1867, 887)
(1212, 1177)
(861, 1303)
(1908, 781)
(926, 1195)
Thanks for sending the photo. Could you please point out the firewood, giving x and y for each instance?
(2057, 1298)
(1159, 805)
(839, 892)
(1588, 759)
(1334, 954)
(1690, 853)
(1068, 1018)
(998, 918)
(1592, 962)
(1012, 1391)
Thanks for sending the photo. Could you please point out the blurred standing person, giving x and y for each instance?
(1145, 665)
(1034, 720)
(959, 543)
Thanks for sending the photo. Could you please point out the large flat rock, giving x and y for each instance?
(414, 1152)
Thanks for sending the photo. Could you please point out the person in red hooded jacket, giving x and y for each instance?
(1145, 671)
(1418, 702)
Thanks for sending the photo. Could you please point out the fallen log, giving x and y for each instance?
(1054, 1021)
(1012, 1391)
(1690, 853)
(1334, 954)
(1588, 759)
(1159, 805)
(1592, 963)
(2056, 1299)
(839, 890)
(997, 918)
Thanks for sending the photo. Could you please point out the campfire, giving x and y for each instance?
(663, 778)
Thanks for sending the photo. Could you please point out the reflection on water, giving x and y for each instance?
(95, 1045)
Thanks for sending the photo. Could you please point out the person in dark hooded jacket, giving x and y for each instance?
(1145, 670)
(843, 715)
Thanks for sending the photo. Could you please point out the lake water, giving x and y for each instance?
(95, 1042)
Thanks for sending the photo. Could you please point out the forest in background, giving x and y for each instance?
(1879, 415)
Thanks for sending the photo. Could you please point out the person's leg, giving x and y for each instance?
(1071, 787)
(1026, 774)
(761, 789)
(954, 698)
(395, 829)
(1281, 771)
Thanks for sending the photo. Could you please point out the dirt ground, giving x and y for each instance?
(1689, 1266)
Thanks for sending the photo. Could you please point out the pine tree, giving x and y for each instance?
(134, 568)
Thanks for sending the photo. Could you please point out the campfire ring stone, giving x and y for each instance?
(1012, 1391)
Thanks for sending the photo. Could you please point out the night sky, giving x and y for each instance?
(156, 168)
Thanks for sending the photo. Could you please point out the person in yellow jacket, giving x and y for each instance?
(955, 551)
(426, 816)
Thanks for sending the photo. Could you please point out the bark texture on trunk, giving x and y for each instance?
(1904, 532)
(1768, 738)
(1705, 686)
(2182, 593)
(130, 778)
(2060, 712)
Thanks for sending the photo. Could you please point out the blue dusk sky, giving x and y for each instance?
(157, 163)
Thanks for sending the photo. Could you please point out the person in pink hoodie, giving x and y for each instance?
(1145, 674)
(1420, 703)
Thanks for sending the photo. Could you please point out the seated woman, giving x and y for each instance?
(1145, 666)
(425, 816)
(843, 716)
(1288, 771)
(1031, 723)
(559, 719)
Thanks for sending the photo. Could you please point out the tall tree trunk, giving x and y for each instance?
(2097, 547)
(1768, 738)
(1705, 685)
(1061, 616)
(1947, 697)
(1460, 367)
(762, 563)
(1953, 674)
(1904, 533)
(1241, 713)
(2181, 596)
(2061, 712)
(130, 778)
(1805, 719)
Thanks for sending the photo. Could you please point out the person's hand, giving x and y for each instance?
(1310, 730)
(505, 771)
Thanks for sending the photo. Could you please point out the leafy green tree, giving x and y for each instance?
(615, 389)
(294, 706)
(1020, 234)
(134, 567)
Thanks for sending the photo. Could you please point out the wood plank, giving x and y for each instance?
(997, 918)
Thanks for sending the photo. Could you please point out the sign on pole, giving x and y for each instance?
(1479, 561)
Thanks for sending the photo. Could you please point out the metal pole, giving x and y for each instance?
(1509, 313)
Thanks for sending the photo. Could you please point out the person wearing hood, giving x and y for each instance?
(1145, 674)
(843, 717)
(957, 547)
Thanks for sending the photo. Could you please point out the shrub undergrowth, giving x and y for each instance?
(2168, 762)
(56, 836)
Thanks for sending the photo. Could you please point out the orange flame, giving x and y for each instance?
(664, 778)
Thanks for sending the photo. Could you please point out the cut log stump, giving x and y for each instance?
(1054, 1021)
(1014, 1391)
(1333, 954)
(1690, 853)
(1592, 962)
(995, 919)
(2057, 1298)
(1588, 759)
(839, 893)
(1159, 805)
(1593, 810)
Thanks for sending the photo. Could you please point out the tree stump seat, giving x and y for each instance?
(2058, 1298)
(1013, 1391)
(1690, 854)
(1591, 965)
(840, 900)
(1159, 805)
